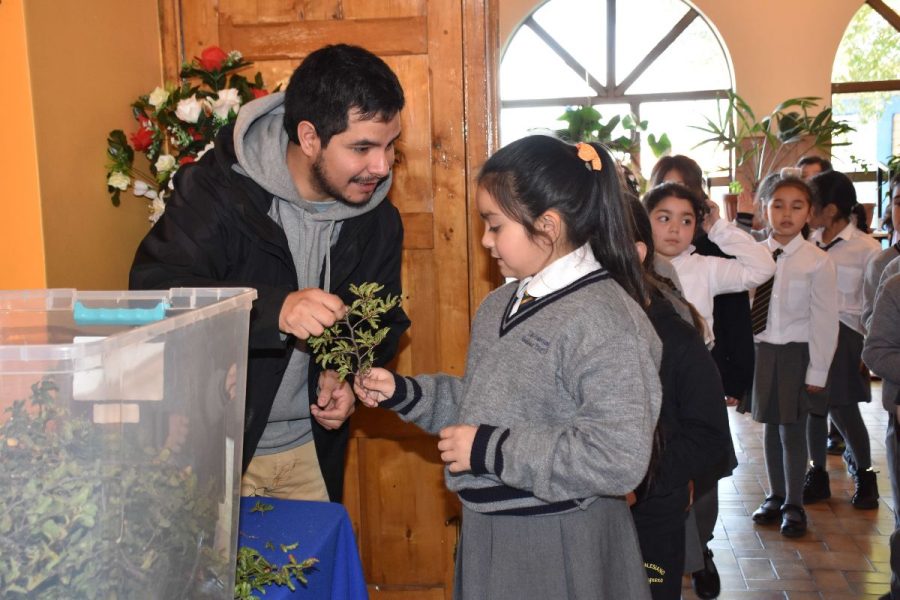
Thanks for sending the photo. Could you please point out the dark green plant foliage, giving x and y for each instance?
(349, 345)
(761, 144)
(255, 573)
(87, 517)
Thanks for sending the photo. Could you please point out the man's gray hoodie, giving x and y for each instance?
(260, 143)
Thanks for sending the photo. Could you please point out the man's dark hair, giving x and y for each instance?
(334, 80)
(824, 165)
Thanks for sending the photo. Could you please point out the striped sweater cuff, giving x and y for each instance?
(403, 401)
(487, 450)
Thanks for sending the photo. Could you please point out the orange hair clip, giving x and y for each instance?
(588, 154)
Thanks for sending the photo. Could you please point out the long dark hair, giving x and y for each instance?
(537, 173)
(833, 187)
(657, 194)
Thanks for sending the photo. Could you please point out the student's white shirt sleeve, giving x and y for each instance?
(823, 322)
(753, 264)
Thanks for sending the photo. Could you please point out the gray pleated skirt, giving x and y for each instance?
(846, 382)
(779, 383)
(590, 554)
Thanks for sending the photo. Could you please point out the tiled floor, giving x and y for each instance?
(844, 554)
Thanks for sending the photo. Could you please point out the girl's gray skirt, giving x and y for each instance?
(779, 383)
(846, 382)
(589, 554)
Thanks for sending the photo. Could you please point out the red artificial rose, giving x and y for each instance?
(185, 160)
(195, 135)
(259, 93)
(141, 139)
(212, 58)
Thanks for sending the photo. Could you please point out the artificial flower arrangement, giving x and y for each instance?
(178, 124)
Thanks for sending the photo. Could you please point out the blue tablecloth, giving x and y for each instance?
(321, 530)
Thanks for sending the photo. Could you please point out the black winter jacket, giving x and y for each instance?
(216, 232)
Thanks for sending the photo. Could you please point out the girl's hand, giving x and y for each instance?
(712, 217)
(375, 386)
(814, 389)
(745, 203)
(456, 447)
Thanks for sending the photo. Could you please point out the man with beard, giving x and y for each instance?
(292, 201)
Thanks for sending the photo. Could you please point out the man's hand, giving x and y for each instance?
(456, 447)
(335, 402)
(308, 312)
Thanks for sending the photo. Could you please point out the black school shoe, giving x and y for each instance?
(769, 511)
(866, 496)
(706, 581)
(817, 485)
(793, 521)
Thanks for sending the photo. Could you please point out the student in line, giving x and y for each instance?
(837, 221)
(795, 323)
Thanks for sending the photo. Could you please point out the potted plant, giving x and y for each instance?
(764, 145)
(731, 199)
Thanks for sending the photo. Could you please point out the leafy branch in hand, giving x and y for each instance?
(349, 345)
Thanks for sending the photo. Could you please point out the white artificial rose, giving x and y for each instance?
(157, 207)
(165, 162)
(189, 109)
(229, 100)
(118, 180)
(158, 97)
(141, 187)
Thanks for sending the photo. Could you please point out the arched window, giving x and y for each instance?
(866, 93)
(668, 70)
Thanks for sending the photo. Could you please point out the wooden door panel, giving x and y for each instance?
(406, 515)
(411, 191)
(368, 9)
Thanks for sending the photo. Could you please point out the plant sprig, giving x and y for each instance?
(349, 345)
(255, 573)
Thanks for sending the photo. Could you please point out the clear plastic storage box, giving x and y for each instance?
(121, 420)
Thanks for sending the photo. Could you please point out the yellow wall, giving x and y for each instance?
(21, 240)
(88, 63)
(777, 52)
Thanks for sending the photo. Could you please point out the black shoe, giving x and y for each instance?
(866, 496)
(817, 485)
(793, 521)
(835, 445)
(769, 511)
(706, 581)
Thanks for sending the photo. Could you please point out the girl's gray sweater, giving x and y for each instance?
(565, 394)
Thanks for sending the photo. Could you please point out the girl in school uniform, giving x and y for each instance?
(795, 324)
(834, 218)
(675, 212)
(693, 427)
(552, 422)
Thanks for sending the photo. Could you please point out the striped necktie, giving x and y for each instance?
(759, 313)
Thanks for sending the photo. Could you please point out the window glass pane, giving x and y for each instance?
(579, 26)
(636, 35)
(530, 69)
(869, 50)
(694, 61)
(519, 122)
(873, 115)
(675, 120)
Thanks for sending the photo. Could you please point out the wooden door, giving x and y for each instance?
(443, 52)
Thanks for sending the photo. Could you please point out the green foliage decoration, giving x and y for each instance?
(255, 573)
(349, 345)
(87, 517)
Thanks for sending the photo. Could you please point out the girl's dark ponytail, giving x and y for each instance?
(859, 211)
